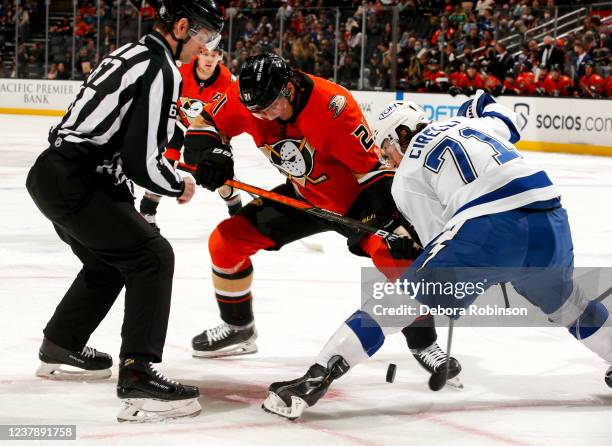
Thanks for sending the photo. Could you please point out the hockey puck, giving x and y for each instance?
(391, 373)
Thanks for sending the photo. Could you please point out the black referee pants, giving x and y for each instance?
(117, 248)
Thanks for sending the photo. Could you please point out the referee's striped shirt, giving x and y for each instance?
(125, 114)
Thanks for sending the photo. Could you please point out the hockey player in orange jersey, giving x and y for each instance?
(314, 133)
(591, 85)
(205, 79)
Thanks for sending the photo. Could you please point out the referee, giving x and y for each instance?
(114, 133)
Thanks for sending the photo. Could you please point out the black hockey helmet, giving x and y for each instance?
(202, 14)
(262, 80)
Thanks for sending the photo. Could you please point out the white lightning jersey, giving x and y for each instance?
(464, 168)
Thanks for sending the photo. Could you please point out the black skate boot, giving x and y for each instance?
(608, 377)
(62, 364)
(149, 396)
(225, 340)
(289, 399)
(433, 359)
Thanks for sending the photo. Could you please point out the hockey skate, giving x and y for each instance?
(433, 359)
(148, 396)
(225, 340)
(289, 399)
(61, 364)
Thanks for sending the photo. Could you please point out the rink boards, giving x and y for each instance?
(568, 125)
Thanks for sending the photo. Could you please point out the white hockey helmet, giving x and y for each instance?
(398, 113)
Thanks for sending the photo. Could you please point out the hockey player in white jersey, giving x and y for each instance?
(482, 212)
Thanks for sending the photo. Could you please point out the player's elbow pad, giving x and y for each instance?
(484, 106)
(197, 142)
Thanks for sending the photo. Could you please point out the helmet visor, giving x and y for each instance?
(205, 37)
(259, 108)
(391, 152)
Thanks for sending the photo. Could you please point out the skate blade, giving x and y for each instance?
(63, 372)
(275, 405)
(455, 383)
(148, 410)
(244, 348)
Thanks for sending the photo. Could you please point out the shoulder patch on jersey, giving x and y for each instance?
(337, 105)
(191, 107)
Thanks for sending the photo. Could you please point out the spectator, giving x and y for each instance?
(84, 63)
(23, 18)
(52, 73)
(348, 72)
(61, 75)
(483, 5)
(503, 62)
(581, 59)
(458, 17)
(550, 55)
(284, 12)
(82, 28)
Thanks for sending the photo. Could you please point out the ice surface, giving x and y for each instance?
(522, 386)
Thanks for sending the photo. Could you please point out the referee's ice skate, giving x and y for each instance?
(433, 359)
(149, 396)
(62, 364)
(289, 399)
(225, 340)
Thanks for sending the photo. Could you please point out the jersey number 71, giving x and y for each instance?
(435, 158)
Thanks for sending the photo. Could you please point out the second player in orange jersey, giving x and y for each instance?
(205, 79)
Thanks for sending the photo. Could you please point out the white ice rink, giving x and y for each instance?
(522, 386)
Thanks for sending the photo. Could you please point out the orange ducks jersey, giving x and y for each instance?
(196, 93)
(323, 149)
(593, 84)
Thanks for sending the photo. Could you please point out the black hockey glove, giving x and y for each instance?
(404, 247)
(215, 167)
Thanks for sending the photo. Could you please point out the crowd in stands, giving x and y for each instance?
(88, 48)
(442, 45)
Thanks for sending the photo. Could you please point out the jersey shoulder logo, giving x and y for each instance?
(191, 107)
(336, 105)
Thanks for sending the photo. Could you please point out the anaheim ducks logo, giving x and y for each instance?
(294, 158)
(191, 108)
(336, 105)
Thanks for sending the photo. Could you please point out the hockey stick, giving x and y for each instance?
(505, 293)
(605, 294)
(437, 381)
(303, 206)
(314, 247)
